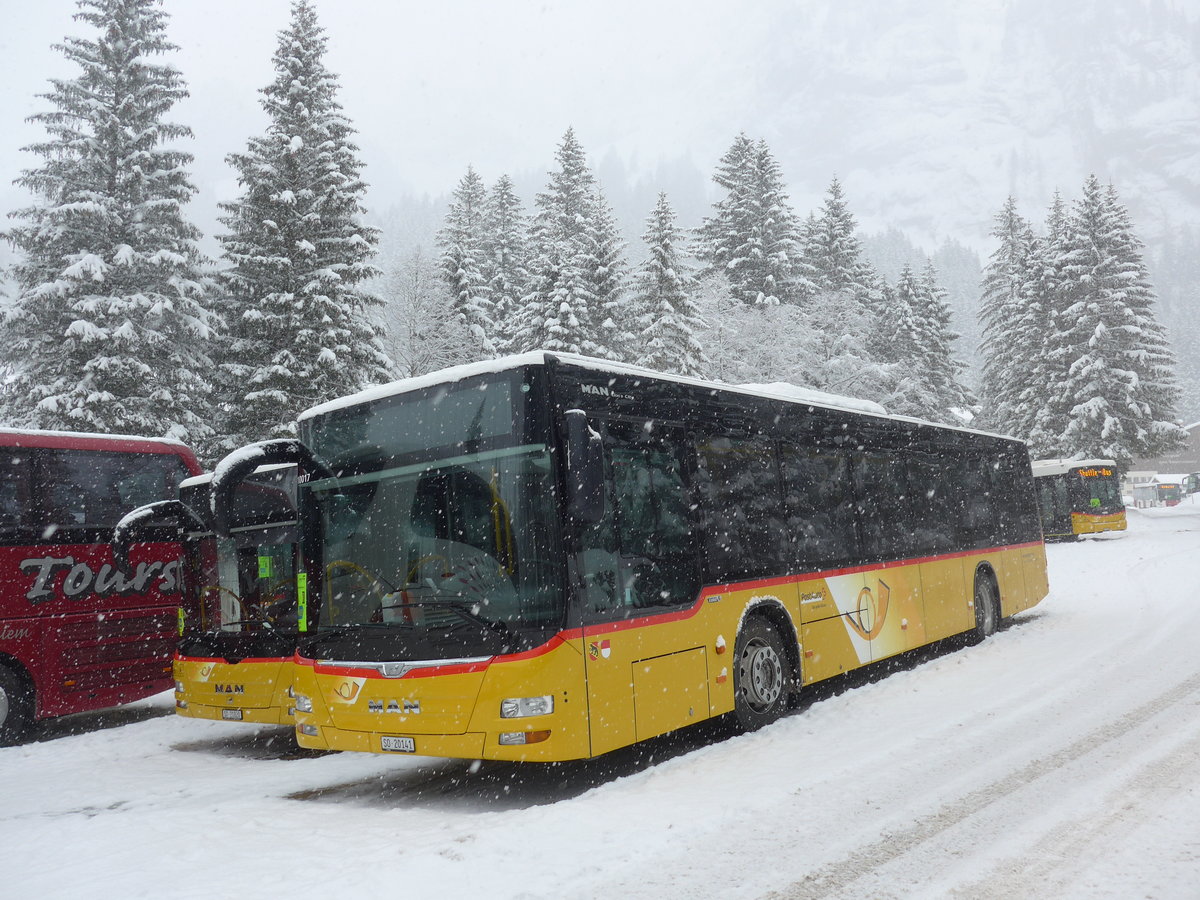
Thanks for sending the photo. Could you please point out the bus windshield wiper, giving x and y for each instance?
(267, 625)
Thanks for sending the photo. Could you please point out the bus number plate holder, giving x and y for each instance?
(234, 714)
(399, 744)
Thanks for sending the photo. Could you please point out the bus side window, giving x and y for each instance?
(818, 506)
(15, 491)
(933, 500)
(978, 525)
(1016, 503)
(884, 505)
(642, 555)
(738, 483)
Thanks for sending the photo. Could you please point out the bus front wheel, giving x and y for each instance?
(760, 676)
(987, 609)
(14, 707)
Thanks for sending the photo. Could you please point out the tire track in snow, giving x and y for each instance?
(1050, 868)
(835, 877)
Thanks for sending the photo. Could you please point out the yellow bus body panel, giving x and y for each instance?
(257, 688)
(1085, 523)
(616, 683)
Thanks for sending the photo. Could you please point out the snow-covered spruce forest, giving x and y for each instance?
(118, 322)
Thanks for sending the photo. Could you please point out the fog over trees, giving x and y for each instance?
(118, 322)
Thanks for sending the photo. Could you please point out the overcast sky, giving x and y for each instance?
(930, 112)
(430, 87)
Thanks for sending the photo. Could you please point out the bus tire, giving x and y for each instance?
(15, 707)
(760, 676)
(987, 608)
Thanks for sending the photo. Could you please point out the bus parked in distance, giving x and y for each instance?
(1164, 490)
(76, 634)
(237, 620)
(549, 557)
(1078, 497)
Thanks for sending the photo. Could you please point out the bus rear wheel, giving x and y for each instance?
(760, 676)
(14, 707)
(987, 609)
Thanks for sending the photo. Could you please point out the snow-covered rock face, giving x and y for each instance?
(930, 111)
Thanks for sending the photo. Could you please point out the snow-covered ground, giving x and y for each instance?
(1061, 759)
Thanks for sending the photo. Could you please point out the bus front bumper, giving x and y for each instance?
(269, 715)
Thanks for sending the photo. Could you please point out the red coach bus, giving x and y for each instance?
(75, 633)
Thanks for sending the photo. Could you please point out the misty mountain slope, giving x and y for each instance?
(932, 112)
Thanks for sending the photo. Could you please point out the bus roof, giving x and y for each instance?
(78, 440)
(778, 391)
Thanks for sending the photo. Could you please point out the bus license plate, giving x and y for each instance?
(235, 714)
(399, 744)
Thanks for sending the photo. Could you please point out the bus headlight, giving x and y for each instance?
(520, 707)
(178, 686)
(303, 703)
(309, 730)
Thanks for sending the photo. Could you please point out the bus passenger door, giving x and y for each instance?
(638, 567)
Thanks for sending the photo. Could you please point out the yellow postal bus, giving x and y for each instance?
(238, 622)
(1078, 497)
(548, 557)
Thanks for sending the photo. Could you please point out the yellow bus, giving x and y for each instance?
(1078, 497)
(237, 620)
(549, 557)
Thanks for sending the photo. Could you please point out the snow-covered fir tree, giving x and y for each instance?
(568, 280)
(606, 277)
(1120, 380)
(1048, 404)
(842, 304)
(421, 331)
(669, 318)
(940, 369)
(900, 348)
(297, 307)
(109, 323)
(463, 244)
(831, 250)
(505, 258)
(1015, 329)
(752, 236)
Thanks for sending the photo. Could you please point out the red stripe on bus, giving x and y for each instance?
(680, 615)
(767, 583)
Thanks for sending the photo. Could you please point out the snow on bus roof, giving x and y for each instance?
(206, 477)
(785, 391)
(1062, 466)
(778, 391)
(35, 433)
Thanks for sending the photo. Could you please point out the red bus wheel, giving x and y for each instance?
(15, 707)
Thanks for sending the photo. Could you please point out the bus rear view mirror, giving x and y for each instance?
(231, 471)
(145, 524)
(585, 468)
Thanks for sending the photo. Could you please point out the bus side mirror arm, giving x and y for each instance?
(585, 468)
(134, 524)
(233, 469)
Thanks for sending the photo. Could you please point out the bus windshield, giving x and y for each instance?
(244, 584)
(440, 517)
(1101, 490)
(1170, 493)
